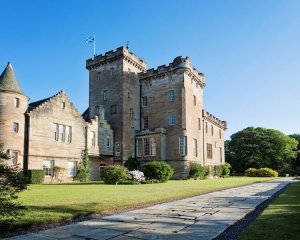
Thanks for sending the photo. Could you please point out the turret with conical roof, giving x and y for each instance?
(13, 105)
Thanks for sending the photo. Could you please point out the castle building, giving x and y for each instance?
(154, 114)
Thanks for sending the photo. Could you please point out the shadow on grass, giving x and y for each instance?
(38, 217)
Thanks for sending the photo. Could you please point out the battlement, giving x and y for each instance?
(213, 119)
(178, 62)
(121, 52)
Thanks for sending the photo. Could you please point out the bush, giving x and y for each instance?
(160, 171)
(132, 164)
(197, 171)
(262, 172)
(137, 176)
(115, 174)
(266, 172)
(84, 168)
(36, 176)
(251, 172)
(223, 170)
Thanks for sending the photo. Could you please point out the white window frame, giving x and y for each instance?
(117, 149)
(108, 144)
(48, 167)
(171, 119)
(171, 95)
(15, 127)
(183, 145)
(92, 138)
(145, 101)
(195, 147)
(139, 148)
(14, 157)
(72, 168)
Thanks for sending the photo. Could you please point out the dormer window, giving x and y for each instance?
(17, 102)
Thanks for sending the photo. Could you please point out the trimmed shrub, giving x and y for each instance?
(197, 171)
(251, 172)
(160, 171)
(115, 174)
(36, 176)
(266, 172)
(223, 170)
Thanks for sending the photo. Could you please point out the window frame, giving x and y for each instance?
(183, 150)
(73, 170)
(48, 172)
(145, 122)
(171, 119)
(15, 127)
(172, 95)
(144, 101)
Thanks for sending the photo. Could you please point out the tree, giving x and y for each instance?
(132, 164)
(296, 163)
(11, 183)
(84, 169)
(260, 147)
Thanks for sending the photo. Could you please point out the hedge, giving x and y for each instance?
(36, 176)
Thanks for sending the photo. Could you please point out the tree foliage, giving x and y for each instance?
(296, 163)
(11, 183)
(260, 147)
(132, 164)
(84, 168)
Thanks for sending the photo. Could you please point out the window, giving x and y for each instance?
(128, 94)
(48, 167)
(107, 141)
(199, 124)
(220, 134)
(112, 71)
(16, 127)
(92, 138)
(113, 109)
(206, 127)
(117, 149)
(14, 158)
(195, 152)
(171, 96)
(146, 147)
(212, 130)
(61, 130)
(63, 105)
(209, 150)
(131, 112)
(105, 95)
(98, 75)
(171, 118)
(97, 110)
(152, 147)
(68, 134)
(195, 100)
(55, 131)
(62, 133)
(72, 169)
(221, 154)
(183, 145)
(145, 122)
(17, 102)
(139, 147)
(144, 102)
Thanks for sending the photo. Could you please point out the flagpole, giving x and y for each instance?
(94, 46)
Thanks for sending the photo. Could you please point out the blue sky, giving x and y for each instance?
(248, 50)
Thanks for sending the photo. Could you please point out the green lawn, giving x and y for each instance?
(280, 220)
(57, 202)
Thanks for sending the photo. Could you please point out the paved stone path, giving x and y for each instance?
(200, 217)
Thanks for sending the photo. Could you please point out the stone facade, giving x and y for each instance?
(154, 114)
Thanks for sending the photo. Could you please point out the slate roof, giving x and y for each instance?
(8, 80)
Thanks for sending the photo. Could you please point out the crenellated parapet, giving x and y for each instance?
(111, 56)
(178, 63)
(211, 118)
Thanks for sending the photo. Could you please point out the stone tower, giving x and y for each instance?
(114, 87)
(13, 105)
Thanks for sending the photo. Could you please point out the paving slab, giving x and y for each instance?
(201, 217)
